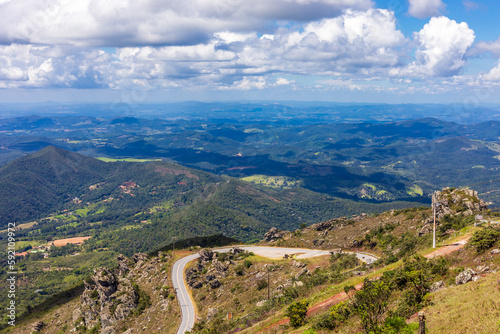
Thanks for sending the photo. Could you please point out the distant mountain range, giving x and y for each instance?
(139, 205)
(370, 161)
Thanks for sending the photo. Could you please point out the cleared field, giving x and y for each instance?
(272, 181)
(64, 242)
(21, 226)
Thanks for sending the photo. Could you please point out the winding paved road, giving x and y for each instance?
(188, 312)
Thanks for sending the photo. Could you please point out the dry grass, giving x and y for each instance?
(470, 308)
(64, 242)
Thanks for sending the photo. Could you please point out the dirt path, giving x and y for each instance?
(342, 296)
(445, 250)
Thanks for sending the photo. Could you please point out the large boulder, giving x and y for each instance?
(274, 234)
(465, 276)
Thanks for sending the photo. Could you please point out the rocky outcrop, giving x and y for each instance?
(209, 270)
(139, 258)
(330, 224)
(318, 242)
(451, 201)
(108, 297)
(289, 283)
(236, 250)
(465, 276)
(38, 326)
(206, 255)
(274, 234)
(123, 264)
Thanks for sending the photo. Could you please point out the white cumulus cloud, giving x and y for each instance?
(442, 45)
(425, 8)
(152, 22)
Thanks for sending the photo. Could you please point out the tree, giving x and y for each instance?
(297, 313)
(371, 303)
(415, 278)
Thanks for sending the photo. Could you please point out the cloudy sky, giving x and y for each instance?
(164, 50)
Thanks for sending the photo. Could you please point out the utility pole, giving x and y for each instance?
(268, 286)
(434, 229)
(173, 246)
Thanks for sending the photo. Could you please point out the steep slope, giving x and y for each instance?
(42, 182)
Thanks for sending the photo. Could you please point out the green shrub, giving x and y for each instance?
(94, 294)
(261, 284)
(397, 325)
(239, 270)
(454, 222)
(247, 263)
(342, 261)
(324, 321)
(144, 300)
(297, 313)
(309, 331)
(484, 239)
(340, 312)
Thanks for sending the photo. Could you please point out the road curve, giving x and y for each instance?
(188, 313)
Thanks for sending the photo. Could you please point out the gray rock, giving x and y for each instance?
(302, 272)
(260, 275)
(482, 269)
(139, 258)
(261, 303)
(215, 284)
(195, 284)
(318, 242)
(274, 234)
(495, 251)
(38, 326)
(212, 312)
(108, 330)
(108, 299)
(298, 264)
(123, 264)
(436, 286)
(236, 250)
(465, 276)
(206, 255)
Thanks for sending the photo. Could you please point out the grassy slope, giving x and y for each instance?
(470, 308)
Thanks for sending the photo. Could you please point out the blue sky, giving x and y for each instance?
(337, 50)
